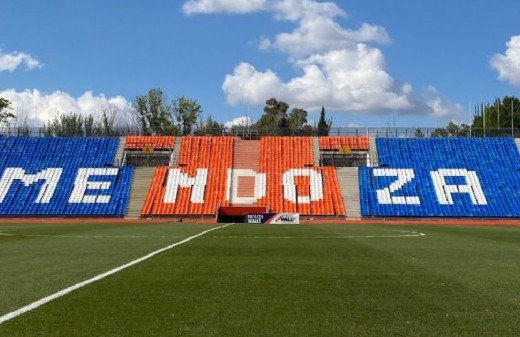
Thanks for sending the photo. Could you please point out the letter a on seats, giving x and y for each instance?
(444, 191)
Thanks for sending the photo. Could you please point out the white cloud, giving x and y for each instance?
(294, 10)
(317, 34)
(508, 64)
(246, 84)
(239, 121)
(216, 6)
(34, 108)
(291, 10)
(338, 67)
(340, 79)
(11, 61)
(355, 80)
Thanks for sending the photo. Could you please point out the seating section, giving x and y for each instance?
(62, 177)
(356, 143)
(200, 183)
(157, 143)
(416, 177)
(443, 177)
(293, 183)
(197, 184)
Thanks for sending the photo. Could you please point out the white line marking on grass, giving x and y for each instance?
(76, 286)
(405, 234)
(92, 236)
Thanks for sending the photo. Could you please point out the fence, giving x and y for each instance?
(255, 133)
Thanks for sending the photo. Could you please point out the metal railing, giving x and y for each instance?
(256, 133)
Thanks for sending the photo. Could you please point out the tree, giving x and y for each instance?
(452, 130)
(89, 126)
(489, 119)
(209, 127)
(106, 126)
(75, 125)
(186, 112)
(297, 121)
(65, 125)
(439, 132)
(154, 116)
(419, 133)
(5, 112)
(498, 117)
(274, 112)
(283, 126)
(324, 125)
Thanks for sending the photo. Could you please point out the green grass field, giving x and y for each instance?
(262, 280)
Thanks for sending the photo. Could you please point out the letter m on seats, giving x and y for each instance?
(178, 179)
(51, 176)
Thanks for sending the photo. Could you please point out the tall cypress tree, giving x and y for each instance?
(324, 125)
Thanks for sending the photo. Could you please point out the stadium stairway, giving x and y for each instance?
(372, 151)
(246, 155)
(118, 158)
(349, 187)
(141, 181)
(176, 150)
(316, 150)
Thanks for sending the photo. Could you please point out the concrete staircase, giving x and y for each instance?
(246, 155)
(316, 150)
(372, 151)
(174, 159)
(349, 188)
(140, 184)
(118, 159)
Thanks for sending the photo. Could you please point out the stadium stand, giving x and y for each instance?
(415, 177)
(62, 177)
(197, 184)
(442, 177)
(201, 182)
(294, 184)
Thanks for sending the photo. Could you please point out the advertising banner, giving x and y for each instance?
(273, 218)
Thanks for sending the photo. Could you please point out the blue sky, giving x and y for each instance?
(370, 63)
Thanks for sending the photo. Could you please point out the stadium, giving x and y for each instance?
(247, 235)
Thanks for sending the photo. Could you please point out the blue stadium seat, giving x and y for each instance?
(38, 177)
(454, 177)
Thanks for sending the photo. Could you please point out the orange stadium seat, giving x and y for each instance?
(278, 155)
(356, 143)
(213, 154)
(286, 190)
(155, 142)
